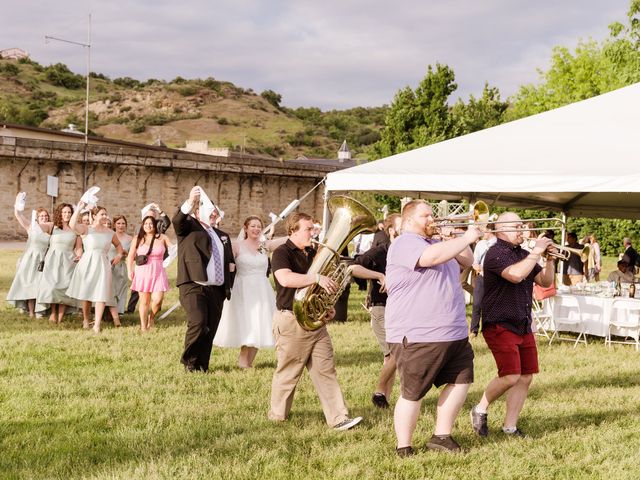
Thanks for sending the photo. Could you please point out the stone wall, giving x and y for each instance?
(131, 177)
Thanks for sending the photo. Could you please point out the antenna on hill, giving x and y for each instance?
(47, 39)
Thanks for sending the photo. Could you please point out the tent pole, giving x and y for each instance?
(563, 240)
(325, 211)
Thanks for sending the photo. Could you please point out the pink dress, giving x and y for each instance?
(152, 276)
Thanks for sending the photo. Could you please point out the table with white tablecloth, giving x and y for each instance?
(596, 311)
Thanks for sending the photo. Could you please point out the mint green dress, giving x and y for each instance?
(120, 275)
(92, 279)
(25, 283)
(58, 269)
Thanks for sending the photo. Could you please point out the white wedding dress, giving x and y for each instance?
(246, 318)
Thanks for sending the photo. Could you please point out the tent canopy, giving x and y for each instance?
(582, 159)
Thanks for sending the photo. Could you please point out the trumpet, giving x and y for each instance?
(563, 252)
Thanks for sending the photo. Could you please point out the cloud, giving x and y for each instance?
(332, 54)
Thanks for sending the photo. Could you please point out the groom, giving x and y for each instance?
(206, 271)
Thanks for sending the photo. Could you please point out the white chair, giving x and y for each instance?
(573, 320)
(624, 322)
(541, 317)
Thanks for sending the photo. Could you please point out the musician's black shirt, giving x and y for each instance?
(375, 259)
(288, 256)
(505, 303)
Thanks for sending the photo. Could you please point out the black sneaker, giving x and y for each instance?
(347, 424)
(404, 452)
(479, 422)
(445, 443)
(379, 400)
(518, 433)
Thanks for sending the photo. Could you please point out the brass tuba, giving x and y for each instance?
(349, 218)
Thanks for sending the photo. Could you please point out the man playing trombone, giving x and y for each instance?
(426, 324)
(509, 274)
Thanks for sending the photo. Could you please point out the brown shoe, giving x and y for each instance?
(404, 452)
(444, 443)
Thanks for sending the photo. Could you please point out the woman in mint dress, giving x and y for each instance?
(24, 288)
(120, 276)
(64, 250)
(92, 280)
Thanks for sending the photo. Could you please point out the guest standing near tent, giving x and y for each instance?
(509, 275)
(372, 265)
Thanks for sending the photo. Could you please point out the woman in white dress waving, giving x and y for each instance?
(246, 318)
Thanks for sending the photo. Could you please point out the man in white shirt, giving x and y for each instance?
(623, 274)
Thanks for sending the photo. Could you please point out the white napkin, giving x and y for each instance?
(146, 209)
(89, 197)
(206, 207)
(21, 201)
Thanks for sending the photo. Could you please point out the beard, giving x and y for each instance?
(430, 231)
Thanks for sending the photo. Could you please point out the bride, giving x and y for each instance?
(246, 318)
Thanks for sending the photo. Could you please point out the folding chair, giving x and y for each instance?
(541, 317)
(625, 314)
(573, 319)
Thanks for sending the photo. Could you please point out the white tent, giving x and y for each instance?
(582, 159)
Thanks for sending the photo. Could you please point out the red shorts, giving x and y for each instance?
(513, 353)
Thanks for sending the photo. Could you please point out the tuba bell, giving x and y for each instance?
(349, 218)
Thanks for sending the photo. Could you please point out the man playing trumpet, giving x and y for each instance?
(509, 275)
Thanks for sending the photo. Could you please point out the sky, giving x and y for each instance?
(329, 54)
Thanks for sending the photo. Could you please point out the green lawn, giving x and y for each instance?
(119, 405)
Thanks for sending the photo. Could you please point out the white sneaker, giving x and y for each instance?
(347, 424)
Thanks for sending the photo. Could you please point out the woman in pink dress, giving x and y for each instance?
(148, 278)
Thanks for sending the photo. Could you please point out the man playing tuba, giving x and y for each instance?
(297, 348)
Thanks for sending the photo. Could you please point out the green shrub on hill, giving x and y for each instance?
(60, 76)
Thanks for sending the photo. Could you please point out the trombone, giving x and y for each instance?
(479, 215)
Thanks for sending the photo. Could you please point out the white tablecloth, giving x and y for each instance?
(596, 311)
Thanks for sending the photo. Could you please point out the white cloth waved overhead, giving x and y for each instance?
(21, 201)
(89, 197)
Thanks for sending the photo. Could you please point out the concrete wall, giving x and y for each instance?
(131, 177)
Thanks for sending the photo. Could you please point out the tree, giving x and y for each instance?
(421, 117)
(592, 69)
(484, 112)
(272, 97)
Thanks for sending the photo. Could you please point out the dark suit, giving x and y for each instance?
(631, 257)
(203, 304)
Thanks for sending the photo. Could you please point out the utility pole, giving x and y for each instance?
(87, 45)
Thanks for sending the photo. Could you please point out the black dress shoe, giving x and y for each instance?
(379, 400)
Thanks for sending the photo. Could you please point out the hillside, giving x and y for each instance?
(180, 110)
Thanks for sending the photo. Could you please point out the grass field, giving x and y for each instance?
(119, 405)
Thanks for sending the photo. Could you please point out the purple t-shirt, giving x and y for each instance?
(423, 304)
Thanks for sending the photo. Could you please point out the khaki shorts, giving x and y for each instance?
(422, 365)
(377, 325)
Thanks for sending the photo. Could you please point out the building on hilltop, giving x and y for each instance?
(202, 146)
(13, 53)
